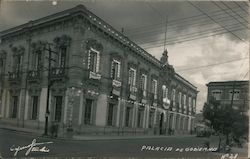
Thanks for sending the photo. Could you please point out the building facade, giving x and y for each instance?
(92, 78)
(233, 93)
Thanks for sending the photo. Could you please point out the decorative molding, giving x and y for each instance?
(62, 41)
(92, 43)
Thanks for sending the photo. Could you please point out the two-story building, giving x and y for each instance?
(231, 93)
(75, 69)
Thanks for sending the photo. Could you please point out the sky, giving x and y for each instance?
(206, 41)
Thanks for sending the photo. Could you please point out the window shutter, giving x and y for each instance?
(97, 62)
(119, 70)
(112, 70)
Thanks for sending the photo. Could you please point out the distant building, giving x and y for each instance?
(233, 93)
(100, 81)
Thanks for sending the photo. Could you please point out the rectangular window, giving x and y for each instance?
(180, 98)
(127, 116)
(34, 107)
(140, 118)
(37, 59)
(173, 94)
(1, 67)
(14, 106)
(217, 94)
(189, 101)
(151, 119)
(110, 114)
(62, 56)
(17, 63)
(115, 69)
(58, 108)
(132, 77)
(144, 82)
(88, 110)
(236, 95)
(93, 60)
(154, 86)
(184, 100)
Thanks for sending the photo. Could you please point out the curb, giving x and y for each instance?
(86, 138)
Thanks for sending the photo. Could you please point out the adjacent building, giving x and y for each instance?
(231, 93)
(92, 78)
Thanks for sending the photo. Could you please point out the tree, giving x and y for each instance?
(225, 120)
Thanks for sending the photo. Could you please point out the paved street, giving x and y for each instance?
(111, 148)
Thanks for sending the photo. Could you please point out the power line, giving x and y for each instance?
(215, 21)
(181, 41)
(180, 20)
(213, 30)
(234, 13)
(153, 31)
(241, 7)
(211, 65)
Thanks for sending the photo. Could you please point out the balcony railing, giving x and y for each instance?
(116, 83)
(132, 91)
(94, 75)
(14, 76)
(57, 72)
(34, 75)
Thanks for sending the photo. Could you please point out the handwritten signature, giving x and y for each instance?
(33, 147)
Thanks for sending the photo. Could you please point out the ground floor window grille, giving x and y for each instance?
(14, 107)
(58, 108)
(151, 119)
(88, 110)
(34, 107)
(127, 116)
(110, 114)
(140, 118)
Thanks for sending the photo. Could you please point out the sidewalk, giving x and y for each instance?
(27, 131)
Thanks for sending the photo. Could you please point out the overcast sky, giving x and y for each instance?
(206, 41)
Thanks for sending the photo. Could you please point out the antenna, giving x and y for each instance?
(165, 37)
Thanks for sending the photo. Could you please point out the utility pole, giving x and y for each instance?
(232, 98)
(48, 90)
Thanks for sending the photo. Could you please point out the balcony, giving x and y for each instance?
(94, 75)
(142, 96)
(116, 83)
(153, 99)
(14, 77)
(57, 73)
(34, 75)
(132, 91)
(116, 90)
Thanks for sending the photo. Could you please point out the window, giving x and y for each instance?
(165, 94)
(1, 66)
(37, 59)
(184, 100)
(189, 102)
(17, 63)
(236, 94)
(173, 94)
(14, 106)
(180, 98)
(115, 69)
(217, 94)
(194, 105)
(151, 119)
(62, 56)
(58, 108)
(154, 86)
(132, 77)
(88, 110)
(93, 60)
(127, 116)
(140, 118)
(144, 82)
(110, 114)
(34, 107)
